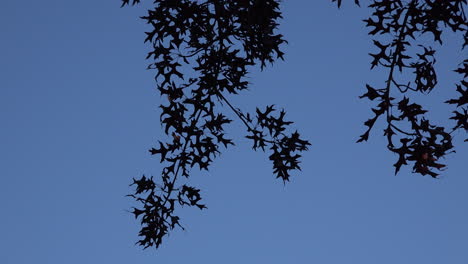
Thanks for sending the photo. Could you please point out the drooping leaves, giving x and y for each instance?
(403, 22)
(461, 114)
(201, 51)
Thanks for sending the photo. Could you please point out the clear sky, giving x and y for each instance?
(78, 113)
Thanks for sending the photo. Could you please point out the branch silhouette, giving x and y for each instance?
(403, 21)
(202, 50)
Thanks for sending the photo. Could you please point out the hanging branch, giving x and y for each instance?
(214, 42)
(420, 142)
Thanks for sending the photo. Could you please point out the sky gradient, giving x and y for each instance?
(79, 112)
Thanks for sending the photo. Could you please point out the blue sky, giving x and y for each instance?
(79, 112)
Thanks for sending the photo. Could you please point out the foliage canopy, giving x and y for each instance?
(219, 40)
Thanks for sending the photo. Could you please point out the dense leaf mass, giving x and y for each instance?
(201, 51)
(397, 25)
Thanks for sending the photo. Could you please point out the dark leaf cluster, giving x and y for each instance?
(397, 25)
(460, 116)
(269, 132)
(201, 52)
